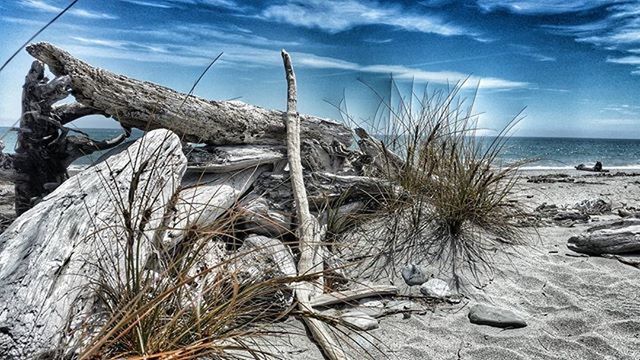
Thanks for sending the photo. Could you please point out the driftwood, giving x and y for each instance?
(226, 159)
(144, 105)
(343, 297)
(595, 168)
(379, 159)
(618, 237)
(44, 148)
(206, 197)
(48, 256)
(309, 236)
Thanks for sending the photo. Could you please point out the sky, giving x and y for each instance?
(571, 66)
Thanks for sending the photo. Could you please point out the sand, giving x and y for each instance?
(575, 307)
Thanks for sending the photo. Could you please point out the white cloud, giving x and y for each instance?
(156, 4)
(627, 60)
(334, 16)
(46, 7)
(537, 7)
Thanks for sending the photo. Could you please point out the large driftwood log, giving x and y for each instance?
(51, 253)
(145, 105)
(618, 237)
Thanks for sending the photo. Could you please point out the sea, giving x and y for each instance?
(551, 153)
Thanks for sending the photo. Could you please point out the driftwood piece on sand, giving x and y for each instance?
(343, 297)
(310, 260)
(50, 254)
(145, 106)
(618, 237)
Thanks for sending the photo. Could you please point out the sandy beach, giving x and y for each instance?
(576, 306)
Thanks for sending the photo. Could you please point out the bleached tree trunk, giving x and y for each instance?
(309, 235)
(145, 105)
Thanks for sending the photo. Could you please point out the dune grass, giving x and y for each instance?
(457, 211)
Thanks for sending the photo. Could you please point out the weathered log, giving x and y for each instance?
(618, 237)
(203, 199)
(146, 106)
(51, 253)
(259, 217)
(67, 113)
(225, 159)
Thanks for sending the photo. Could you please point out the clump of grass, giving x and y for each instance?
(457, 212)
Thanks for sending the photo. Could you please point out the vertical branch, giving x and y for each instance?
(308, 228)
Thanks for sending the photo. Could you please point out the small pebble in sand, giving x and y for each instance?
(496, 317)
(436, 288)
(360, 320)
(414, 275)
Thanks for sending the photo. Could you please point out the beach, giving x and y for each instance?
(576, 306)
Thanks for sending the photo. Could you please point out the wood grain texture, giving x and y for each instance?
(48, 256)
(145, 105)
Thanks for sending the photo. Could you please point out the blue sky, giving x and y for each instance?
(574, 65)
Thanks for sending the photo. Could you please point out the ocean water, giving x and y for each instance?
(565, 153)
(9, 138)
(552, 153)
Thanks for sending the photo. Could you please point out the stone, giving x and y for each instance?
(436, 288)
(359, 320)
(414, 275)
(488, 315)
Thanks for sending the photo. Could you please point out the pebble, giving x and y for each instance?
(496, 317)
(360, 320)
(436, 288)
(414, 275)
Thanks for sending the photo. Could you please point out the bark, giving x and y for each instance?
(619, 237)
(50, 255)
(145, 105)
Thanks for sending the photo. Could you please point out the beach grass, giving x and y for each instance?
(456, 211)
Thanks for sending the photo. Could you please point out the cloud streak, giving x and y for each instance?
(194, 55)
(46, 7)
(541, 7)
(334, 16)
